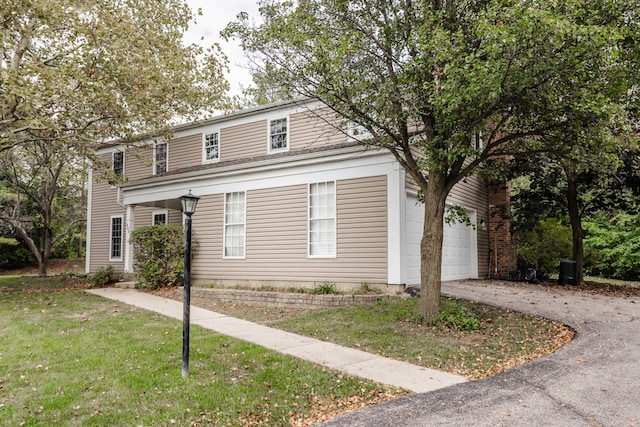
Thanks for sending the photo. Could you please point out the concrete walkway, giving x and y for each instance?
(592, 381)
(355, 362)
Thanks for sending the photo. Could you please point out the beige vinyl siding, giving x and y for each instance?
(310, 129)
(139, 162)
(243, 141)
(276, 237)
(103, 206)
(185, 151)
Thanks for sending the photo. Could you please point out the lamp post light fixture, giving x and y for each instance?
(189, 202)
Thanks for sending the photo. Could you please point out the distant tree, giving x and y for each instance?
(75, 74)
(45, 195)
(424, 76)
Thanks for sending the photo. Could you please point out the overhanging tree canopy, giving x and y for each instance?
(424, 76)
(75, 74)
(83, 72)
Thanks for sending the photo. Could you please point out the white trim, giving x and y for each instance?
(164, 212)
(224, 227)
(335, 220)
(128, 250)
(155, 145)
(204, 146)
(87, 266)
(278, 150)
(396, 227)
(122, 227)
(348, 166)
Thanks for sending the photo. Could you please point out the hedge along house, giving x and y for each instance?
(287, 199)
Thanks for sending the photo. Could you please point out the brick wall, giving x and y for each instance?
(501, 243)
(284, 299)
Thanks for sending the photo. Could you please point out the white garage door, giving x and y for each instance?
(459, 259)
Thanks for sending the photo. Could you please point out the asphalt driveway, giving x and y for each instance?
(592, 381)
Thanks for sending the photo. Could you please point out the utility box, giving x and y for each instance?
(567, 273)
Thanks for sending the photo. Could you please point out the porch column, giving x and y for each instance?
(128, 252)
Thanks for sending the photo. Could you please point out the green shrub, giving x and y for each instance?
(324, 289)
(455, 316)
(159, 255)
(544, 247)
(14, 254)
(612, 246)
(105, 276)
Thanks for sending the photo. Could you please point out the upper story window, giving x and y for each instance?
(234, 224)
(118, 163)
(357, 131)
(160, 158)
(278, 135)
(159, 217)
(478, 143)
(322, 220)
(211, 147)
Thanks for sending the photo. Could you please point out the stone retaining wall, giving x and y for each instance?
(285, 299)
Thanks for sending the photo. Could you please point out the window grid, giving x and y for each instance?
(322, 219)
(116, 238)
(161, 158)
(234, 224)
(278, 135)
(118, 163)
(159, 218)
(211, 146)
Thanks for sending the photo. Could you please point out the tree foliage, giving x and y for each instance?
(83, 72)
(613, 245)
(44, 195)
(75, 75)
(423, 76)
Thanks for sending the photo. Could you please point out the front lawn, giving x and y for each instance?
(70, 358)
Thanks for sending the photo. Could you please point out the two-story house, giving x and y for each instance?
(287, 199)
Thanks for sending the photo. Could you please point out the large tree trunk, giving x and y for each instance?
(431, 247)
(576, 223)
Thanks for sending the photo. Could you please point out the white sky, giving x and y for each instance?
(216, 14)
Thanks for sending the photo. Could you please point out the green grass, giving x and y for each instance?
(388, 327)
(74, 359)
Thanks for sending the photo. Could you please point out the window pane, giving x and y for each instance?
(161, 158)
(234, 227)
(211, 146)
(322, 221)
(118, 163)
(278, 134)
(116, 237)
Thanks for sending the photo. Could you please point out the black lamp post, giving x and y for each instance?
(189, 202)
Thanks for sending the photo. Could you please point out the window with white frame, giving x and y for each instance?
(234, 224)
(159, 217)
(278, 135)
(477, 140)
(322, 219)
(115, 236)
(118, 163)
(358, 131)
(160, 158)
(211, 147)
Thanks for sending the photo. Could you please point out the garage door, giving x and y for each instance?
(459, 260)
